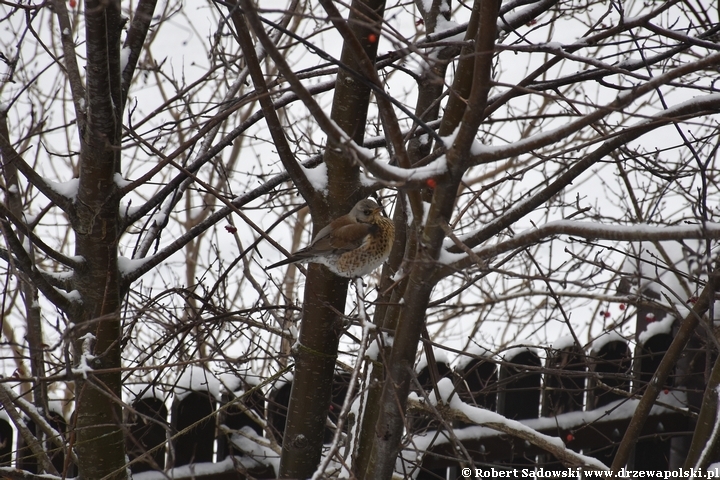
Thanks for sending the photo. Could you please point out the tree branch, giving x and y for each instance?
(390, 122)
(6, 399)
(37, 241)
(457, 410)
(336, 137)
(134, 42)
(273, 122)
(595, 231)
(698, 106)
(10, 155)
(489, 154)
(22, 261)
(667, 364)
(77, 88)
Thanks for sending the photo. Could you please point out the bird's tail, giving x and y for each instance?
(287, 261)
(299, 256)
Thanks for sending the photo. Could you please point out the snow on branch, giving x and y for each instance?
(18, 255)
(489, 153)
(228, 465)
(399, 176)
(7, 401)
(53, 191)
(84, 364)
(588, 230)
(40, 422)
(22, 226)
(13, 473)
(452, 408)
(129, 266)
(486, 424)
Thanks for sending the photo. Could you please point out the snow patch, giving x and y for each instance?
(317, 177)
(230, 383)
(471, 354)
(73, 296)
(656, 328)
(435, 168)
(477, 147)
(440, 357)
(197, 379)
(84, 366)
(566, 341)
(443, 25)
(255, 450)
(120, 181)
(373, 350)
(557, 46)
(447, 258)
(512, 352)
(195, 470)
(124, 58)
(450, 139)
(127, 266)
(67, 189)
(445, 389)
(59, 276)
(604, 339)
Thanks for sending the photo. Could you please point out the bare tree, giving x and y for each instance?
(550, 169)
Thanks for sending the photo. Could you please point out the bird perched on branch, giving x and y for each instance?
(352, 245)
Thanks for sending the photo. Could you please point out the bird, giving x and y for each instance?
(350, 246)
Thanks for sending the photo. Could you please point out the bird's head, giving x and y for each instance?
(365, 210)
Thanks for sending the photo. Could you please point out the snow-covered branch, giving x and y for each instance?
(37, 241)
(587, 230)
(19, 257)
(10, 155)
(487, 424)
(7, 401)
(694, 107)
(485, 154)
(452, 408)
(52, 434)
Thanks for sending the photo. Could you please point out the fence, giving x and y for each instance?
(581, 397)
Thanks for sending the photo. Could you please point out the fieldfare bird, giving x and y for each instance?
(350, 246)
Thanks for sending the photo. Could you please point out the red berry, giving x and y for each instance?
(621, 306)
(666, 391)
(569, 438)
(431, 183)
(650, 317)
(73, 3)
(692, 299)
(372, 38)
(607, 314)
(230, 229)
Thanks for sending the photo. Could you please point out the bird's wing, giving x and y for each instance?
(343, 239)
(336, 224)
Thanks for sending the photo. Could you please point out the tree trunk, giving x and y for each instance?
(324, 292)
(99, 440)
